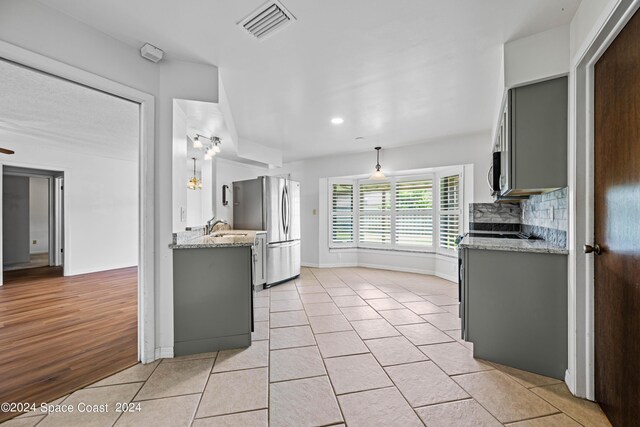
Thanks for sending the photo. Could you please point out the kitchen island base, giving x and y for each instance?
(212, 299)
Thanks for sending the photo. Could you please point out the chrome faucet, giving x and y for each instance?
(211, 225)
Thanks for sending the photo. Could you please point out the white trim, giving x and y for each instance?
(431, 272)
(163, 353)
(146, 171)
(580, 376)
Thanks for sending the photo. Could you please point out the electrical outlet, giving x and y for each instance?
(183, 214)
(35, 242)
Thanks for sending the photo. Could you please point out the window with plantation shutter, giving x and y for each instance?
(342, 226)
(413, 213)
(374, 213)
(449, 210)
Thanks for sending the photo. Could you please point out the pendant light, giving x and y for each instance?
(377, 175)
(194, 183)
(196, 142)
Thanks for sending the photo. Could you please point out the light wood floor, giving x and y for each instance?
(58, 334)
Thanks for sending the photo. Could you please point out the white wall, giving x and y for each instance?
(199, 202)
(226, 172)
(472, 150)
(537, 57)
(39, 215)
(180, 173)
(588, 18)
(100, 202)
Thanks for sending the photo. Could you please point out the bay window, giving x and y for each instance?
(414, 213)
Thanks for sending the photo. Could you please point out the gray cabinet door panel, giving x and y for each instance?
(539, 133)
(211, 293)
(516, 309)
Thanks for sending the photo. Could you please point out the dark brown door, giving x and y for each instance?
(617, 227)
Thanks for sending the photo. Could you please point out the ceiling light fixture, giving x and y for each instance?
(337, 120)
(211, 149)
(377, 175)
(210, 153)
(194, 183)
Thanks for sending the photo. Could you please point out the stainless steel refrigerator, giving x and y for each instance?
(272, 204)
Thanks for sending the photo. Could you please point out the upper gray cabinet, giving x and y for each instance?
(533, 138)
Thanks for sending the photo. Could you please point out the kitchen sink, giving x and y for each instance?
(223, 234)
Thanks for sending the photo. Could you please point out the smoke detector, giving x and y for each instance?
(151, 53)
(267, 20)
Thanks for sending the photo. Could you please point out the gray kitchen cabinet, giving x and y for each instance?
(514, 308)
(533, 138)
(260, 260)
(212, 298)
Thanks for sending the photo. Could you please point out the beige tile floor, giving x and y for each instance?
(352, 346)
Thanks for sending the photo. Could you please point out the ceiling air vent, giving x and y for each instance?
(267, 20)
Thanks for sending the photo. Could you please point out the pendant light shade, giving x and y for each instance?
(377, 175)
(196, 142)
(194, 183)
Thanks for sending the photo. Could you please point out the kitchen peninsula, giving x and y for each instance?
(212, 292)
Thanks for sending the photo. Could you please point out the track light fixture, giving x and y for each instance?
(211, 149)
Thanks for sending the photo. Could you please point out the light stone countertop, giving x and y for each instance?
(512, 245)
(220, 239)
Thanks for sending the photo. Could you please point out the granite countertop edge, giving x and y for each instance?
(204, 242)
(512, 245)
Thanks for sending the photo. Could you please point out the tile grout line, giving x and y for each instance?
(210, 373)
(395, 386)
(333, 389)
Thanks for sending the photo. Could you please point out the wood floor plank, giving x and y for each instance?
(58, 334)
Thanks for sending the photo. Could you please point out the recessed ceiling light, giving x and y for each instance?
(337, 120)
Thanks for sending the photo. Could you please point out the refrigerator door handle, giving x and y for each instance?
(283, 244)
(288, 208)
(282, 212)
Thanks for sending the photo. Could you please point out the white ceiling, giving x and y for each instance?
(397, 71)
(66, 115)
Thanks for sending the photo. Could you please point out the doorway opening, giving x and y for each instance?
(32, 219)
(71, 234)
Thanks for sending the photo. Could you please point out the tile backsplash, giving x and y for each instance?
(495, 216)
(547, 216)
(544, 216)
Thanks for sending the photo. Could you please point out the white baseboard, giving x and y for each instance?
(164, 353)
(396, 268)
(309, 264)
(449, 277)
